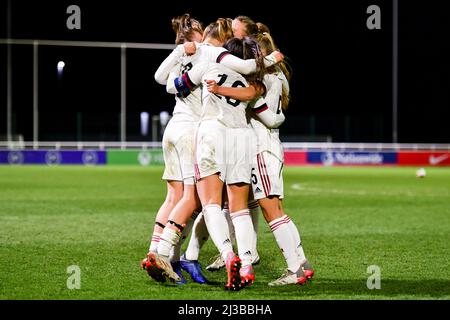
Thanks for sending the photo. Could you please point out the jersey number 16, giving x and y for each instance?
(237, 83)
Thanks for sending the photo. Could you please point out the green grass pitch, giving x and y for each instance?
(100, 219)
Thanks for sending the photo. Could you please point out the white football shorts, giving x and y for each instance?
(228, 151)
(178, 150)
(267, 176)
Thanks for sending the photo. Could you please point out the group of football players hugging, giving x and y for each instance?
(223, 155)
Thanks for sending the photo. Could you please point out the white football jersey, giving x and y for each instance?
(186, 108)
(268, 139)
(189, 107)
(230, 112)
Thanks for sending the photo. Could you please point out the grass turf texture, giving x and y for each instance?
(100, 218)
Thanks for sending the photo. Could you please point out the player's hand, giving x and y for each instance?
(278, 56)
(260, 88)
(212, 86)
(190, 48)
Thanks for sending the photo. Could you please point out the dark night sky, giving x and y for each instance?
(342, 70)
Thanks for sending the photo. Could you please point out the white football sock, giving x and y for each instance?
(226, 212)
(217, 228)
(169, 239)
(176, 250)
(253, 206)
(244, 235)
(154, 242)
(198, 238)
(298, 241)
(285, 241)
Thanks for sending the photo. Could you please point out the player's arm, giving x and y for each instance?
(284, 80)
(269, 118)
(242, 93)
(274, 92)
(247, 66)
(188, 81)
(162, 74)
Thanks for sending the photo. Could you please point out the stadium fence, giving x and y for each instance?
(150, 153)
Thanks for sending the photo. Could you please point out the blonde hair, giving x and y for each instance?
(266, 42)
(220, 30)
(184, 27)
(262, 27)
(251, 28)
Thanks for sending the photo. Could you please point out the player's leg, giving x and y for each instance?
(267, 186)
(174, 194)
(218, 263)
(306, 266)
(278, 223)
(179, 217)
(176, 229)
(175, 132)
(174, 177)
(172, 234)
(210, 173)
(198, 238)
(175, 252)
(226, 212)
(185, 147)
(189, 260)
(243, 226)
(210, 193)
(253, 206)
(159, 266)
(239, 157)
(210, 184)
(200, 234)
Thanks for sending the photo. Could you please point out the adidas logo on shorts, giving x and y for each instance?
(258, 190)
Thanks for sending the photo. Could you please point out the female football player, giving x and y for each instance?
(215, 35)
(221, 159)
(267, 179)
(244, 26)
(178, 159)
